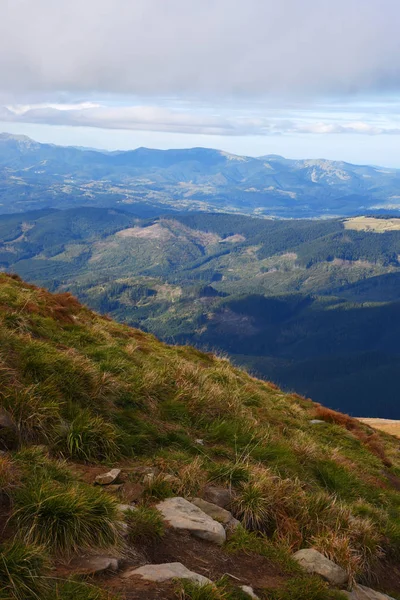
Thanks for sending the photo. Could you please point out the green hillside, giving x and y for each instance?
(80, 393)
(311, 305)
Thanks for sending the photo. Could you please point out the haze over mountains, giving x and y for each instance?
(147, 181)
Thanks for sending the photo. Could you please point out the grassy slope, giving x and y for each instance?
(87, 389)
(152, 273)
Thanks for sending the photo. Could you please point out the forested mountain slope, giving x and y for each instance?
(34, 176)
(312, 305)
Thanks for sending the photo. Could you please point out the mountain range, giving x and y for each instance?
(147, 181)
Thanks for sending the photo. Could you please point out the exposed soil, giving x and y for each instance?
(202, 557)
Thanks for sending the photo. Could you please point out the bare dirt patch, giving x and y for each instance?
(153, 232)
(202, 557)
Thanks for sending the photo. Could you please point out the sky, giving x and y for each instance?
(301, 78)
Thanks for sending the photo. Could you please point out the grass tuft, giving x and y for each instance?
(23, 572)
(146, 525)
(65, 518)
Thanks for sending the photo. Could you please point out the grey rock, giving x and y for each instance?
(249, 590)
(313, 561)
(108, 478)
(124, 508)
(316, 421)
(6, 421)
(148, 478)
(165, 572)
(123, 528)
(359, 592)
(218, 495)
(213, 510)
(182, 514)
(94, 565)
(231, 527)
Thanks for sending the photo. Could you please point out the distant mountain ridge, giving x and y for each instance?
(34, 175)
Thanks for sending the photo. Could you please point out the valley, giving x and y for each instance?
(309, 304)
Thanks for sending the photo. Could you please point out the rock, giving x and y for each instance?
(123, 528)
(6, 421)
(316, 421)
(213, 510)
(165, 572)
(94, 565)
(132, 491)
(200, 442)
(142, 470)
(360, 592)
(231, 527)
(108, 478)
(114, 488)
(123, 508)
(182, 514)
(148, 479)
(313, 561)
(218, 495)
(249, 590)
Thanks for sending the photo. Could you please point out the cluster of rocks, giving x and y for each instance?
(209, 519)
(314, 562)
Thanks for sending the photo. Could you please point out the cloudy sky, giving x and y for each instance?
(302, 78)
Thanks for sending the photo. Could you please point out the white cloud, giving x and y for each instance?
(189, 121)
(198, 48)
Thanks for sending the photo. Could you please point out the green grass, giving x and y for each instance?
(24, 572)
(65, 518)
(132, 401)
(222, 590)
(80, 590)
(146, 525)
(90, 437)
(306, 588)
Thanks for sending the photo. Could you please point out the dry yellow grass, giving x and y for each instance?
(386, 425)
(372, 224)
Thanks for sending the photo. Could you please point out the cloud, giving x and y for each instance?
(178, 120)
(198, 48)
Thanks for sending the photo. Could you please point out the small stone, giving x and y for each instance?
(313, 561)
(316, 421)
(218, 495)
(359, 592)
(94, 565)
(132, 491)
(166, 572)
(114, 488)
(213, 510)
(148, 479)
(249, 590)
(184, 515)
(6, 421)
(124, 508)
(199, 442)
(108, 478)
(231, 527)
(143, 470)
(123, 528)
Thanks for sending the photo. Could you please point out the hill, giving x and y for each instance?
(310, 304)
(34, 176)
(80, 393)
